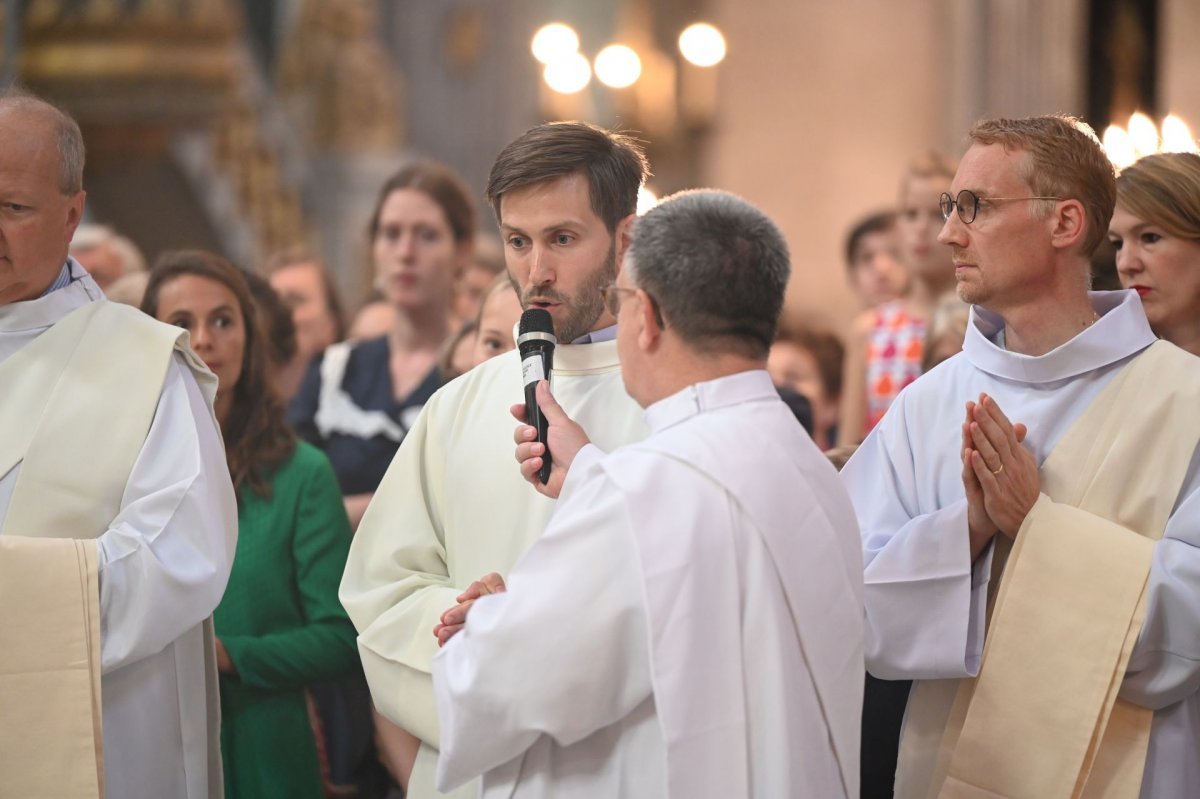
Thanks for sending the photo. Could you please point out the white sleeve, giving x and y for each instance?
(166, 557)
(1165, 666)
(563, 653)
(925, 600)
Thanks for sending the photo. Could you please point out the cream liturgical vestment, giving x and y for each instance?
(688, 626)
(110, 458)
(1092, 660)
(452, 508)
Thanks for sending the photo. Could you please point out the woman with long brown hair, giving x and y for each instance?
(359, 399)
(279, 626)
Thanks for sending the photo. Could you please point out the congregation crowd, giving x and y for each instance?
(314, 558)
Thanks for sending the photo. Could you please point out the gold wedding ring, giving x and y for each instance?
(999, 470)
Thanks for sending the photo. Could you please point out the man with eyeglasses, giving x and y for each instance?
(1034, 566)
(689, 624)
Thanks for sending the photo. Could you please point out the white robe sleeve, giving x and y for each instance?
(564, 653)
(925, 601)
(165, 560)
(1165, 666)
(397, 581)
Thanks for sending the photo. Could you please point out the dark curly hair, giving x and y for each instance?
(257, 439)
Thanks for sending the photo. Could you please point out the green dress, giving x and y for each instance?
(283, 627)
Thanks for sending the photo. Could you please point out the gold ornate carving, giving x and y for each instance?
(336, 78)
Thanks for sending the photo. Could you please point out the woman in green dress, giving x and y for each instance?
(279, 626)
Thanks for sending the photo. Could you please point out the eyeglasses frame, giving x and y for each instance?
(947, 201)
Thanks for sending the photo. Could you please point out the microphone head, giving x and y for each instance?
(535, 332)
(536, 320)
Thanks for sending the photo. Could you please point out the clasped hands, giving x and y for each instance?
(999, 474)
(452, 620)
(566, 438)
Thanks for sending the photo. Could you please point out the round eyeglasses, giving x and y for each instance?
(967, 203)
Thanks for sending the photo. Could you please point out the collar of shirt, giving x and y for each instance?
(1121, 331)
(596, 336)
(734, 389)
(78, 290)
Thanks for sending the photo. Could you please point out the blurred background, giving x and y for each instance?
(249, 126)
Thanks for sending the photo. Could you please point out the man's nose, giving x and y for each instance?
(953, 231)
(541, 269)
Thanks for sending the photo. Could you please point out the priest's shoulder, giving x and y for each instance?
(127, 320)
(495, 380)
(1176, 367)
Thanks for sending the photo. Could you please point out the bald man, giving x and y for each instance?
(117, 516)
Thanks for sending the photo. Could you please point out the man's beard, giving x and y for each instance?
(584, 307)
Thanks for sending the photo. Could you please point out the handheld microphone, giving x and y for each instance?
(536, 341)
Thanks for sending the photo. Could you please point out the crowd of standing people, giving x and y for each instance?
(318, 557)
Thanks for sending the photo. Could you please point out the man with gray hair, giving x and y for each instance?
(117, 515)
(690, 622)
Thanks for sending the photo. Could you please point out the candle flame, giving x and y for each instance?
(1177, 137)
(1119, 146)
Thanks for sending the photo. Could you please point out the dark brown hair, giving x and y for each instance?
(882, 222)
(443, 186)
(614, 164)
(826, 349)
(257, 439)
(275, 320)
(302, 256)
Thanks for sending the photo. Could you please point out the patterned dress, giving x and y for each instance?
(894, 352)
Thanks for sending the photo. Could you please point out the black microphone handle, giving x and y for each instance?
(535, 418)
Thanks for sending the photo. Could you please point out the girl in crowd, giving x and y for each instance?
(1155, 230)
(809, 361)
(489, 334)
(279, 626)
(359, 399)
(886, 345)
(499, 313)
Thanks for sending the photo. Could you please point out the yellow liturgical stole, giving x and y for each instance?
(1043, 719)
(75, 408)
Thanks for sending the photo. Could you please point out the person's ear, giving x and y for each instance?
(75, 212)
(1068, 224)
(622, 236)
(650, 331)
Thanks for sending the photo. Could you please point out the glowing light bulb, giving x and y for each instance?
(569, 74)
(1144, 134)
(618, 66)
(1119, 147)
(1177, 137)
(554, 42)
(702, 44)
